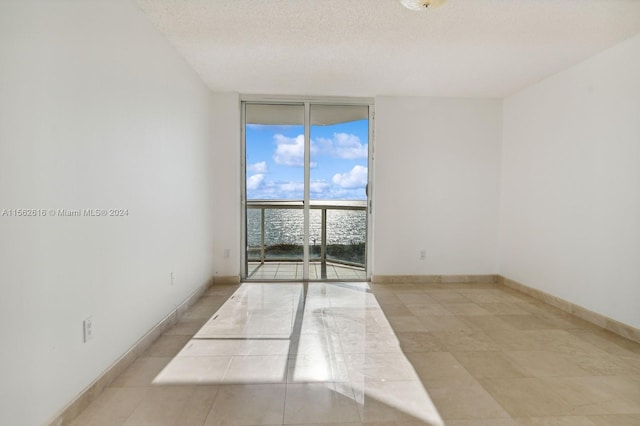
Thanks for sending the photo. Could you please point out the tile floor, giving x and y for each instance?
(356, 353)
(293, 271)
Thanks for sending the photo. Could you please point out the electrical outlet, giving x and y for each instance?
(87, 325)
(227, 253)
(423, 254)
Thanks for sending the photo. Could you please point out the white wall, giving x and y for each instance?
(96, 111)
(571, 184)
(437, 166)
(226, 188)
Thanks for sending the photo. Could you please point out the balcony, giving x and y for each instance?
(337, 240)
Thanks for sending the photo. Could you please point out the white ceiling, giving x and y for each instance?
(466, 48)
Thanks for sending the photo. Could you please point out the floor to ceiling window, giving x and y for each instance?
(305, 190)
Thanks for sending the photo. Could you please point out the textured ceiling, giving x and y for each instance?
(466, 48)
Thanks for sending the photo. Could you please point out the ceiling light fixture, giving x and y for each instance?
(420, 5)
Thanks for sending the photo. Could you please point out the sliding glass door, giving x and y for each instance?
(305, 191)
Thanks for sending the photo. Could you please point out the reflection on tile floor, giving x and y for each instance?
(327, 353)
(289, 271)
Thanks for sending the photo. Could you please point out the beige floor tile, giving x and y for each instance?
(465, 309)
(385, 366)
(369, 343)
(616, 420)
(463, 340)
(316, 344)
(436, 323)
(173, 406)
(503, 308)
(205, 309)
(482, 422)
(186, 327)
(397, 288)
(398, 309)
(446, 296)
(211, 300)
(528, 322)
(112, 407)
(221, 290)
(558, 396)
(386, 297)
(167, 345)
(418, 342)
(406, 323)
(540, 340)
(632, 362)
(463, 399)
(320, 402)
(545, 364)
(415, 298)
(247, 405)
(142, 372)
(362, 312)
(608, 342)
(202, 370)
(481, 295)
(598, 394)
(428, 309)
(395, 401)
(313, 368)
(438, 366)
(603, 364)
(486, 322)
(257, 369)
(488, 364)
(566, 321)
(555, 421)
(229, 347)
(526, 397)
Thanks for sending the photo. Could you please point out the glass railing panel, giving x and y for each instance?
(275, 229)
(346, 236)
(283, 234)
(315, 235)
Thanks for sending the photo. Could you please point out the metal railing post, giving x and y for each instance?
(323, 247)
(262, 235)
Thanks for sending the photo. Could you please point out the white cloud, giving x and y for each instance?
(286, 189)
(290, 151)
(292, 187)
(255, 181)
(356, 178)
(260, 167)
(345, 146)
(318, 187)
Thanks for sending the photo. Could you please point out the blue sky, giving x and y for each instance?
(275, 160)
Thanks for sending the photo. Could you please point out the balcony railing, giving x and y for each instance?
(337, 231)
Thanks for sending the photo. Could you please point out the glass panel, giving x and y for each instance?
(346, 236)
(274, 147)
(283, 230)
(338, 183)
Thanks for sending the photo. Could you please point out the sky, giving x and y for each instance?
(275, 161)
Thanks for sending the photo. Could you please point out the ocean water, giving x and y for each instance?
(285, 226)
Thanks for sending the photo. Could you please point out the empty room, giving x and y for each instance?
(269, 212)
